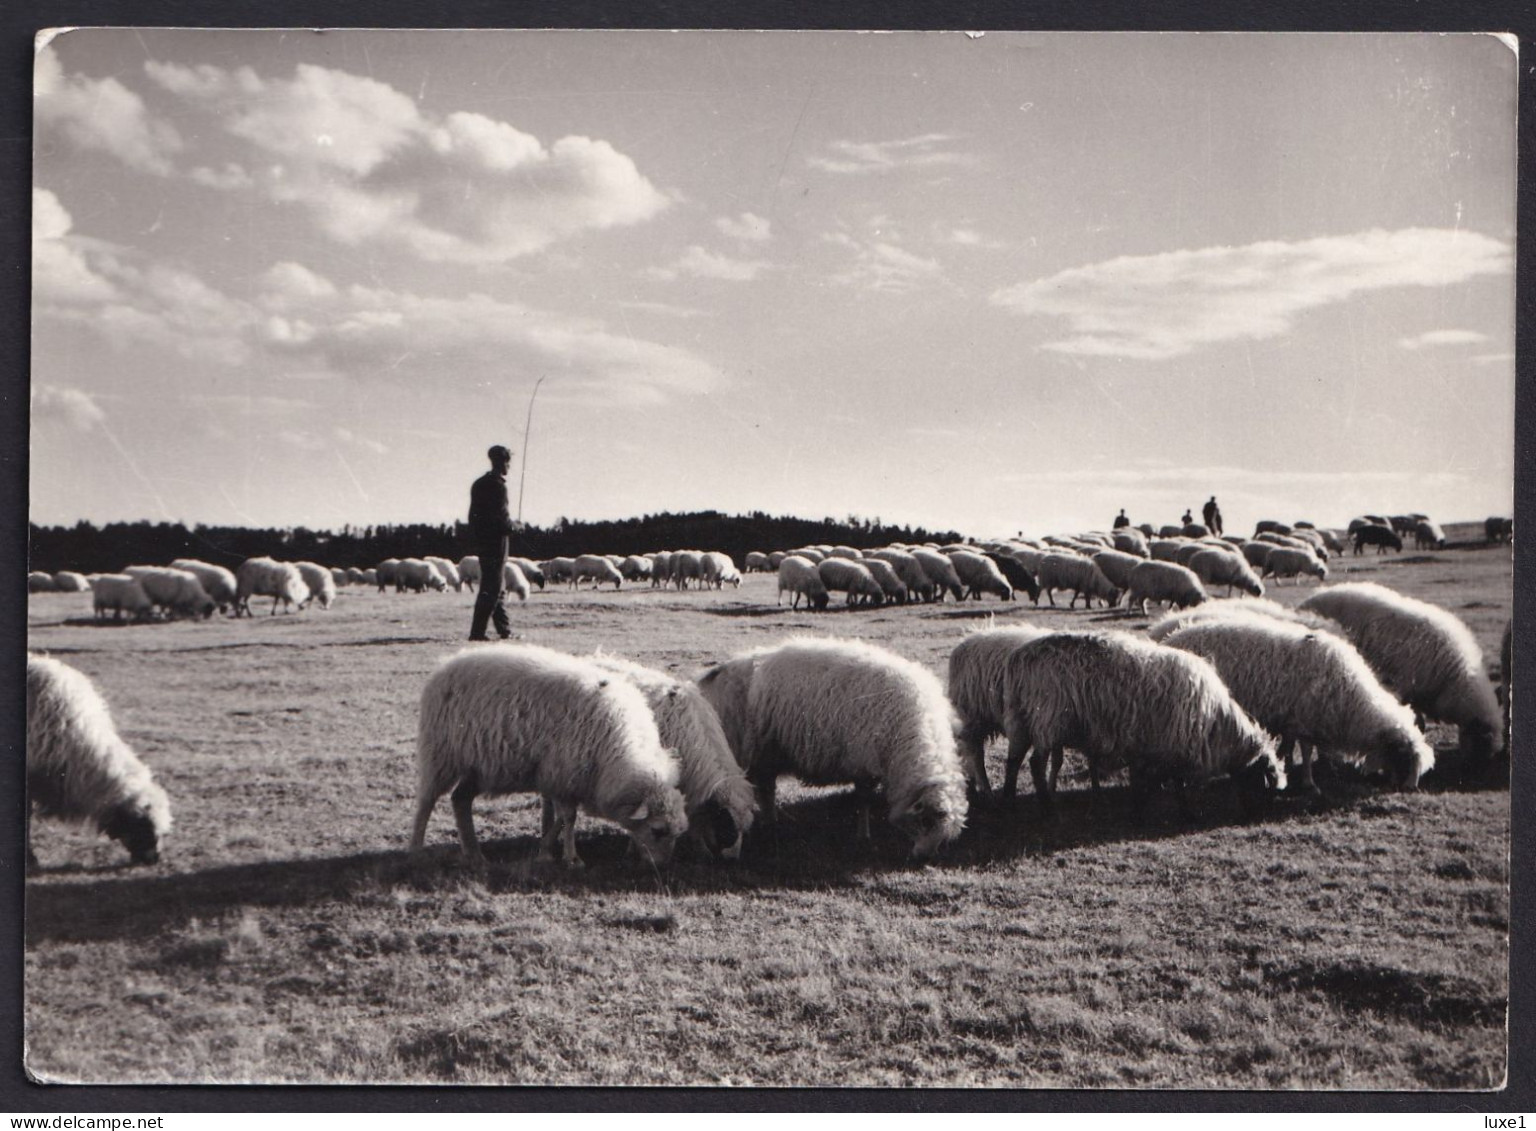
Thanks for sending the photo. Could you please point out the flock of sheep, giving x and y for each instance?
(1229, 688)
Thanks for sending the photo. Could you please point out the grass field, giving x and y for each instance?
(1357, 943)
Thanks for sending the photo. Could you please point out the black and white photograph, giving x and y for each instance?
(766, 558)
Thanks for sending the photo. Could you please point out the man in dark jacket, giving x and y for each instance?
(1212, 515)
(490, 525)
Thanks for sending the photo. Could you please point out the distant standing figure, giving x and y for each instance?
(1212, 515)
(1188, 518)
(1121, 522)
(490, 525)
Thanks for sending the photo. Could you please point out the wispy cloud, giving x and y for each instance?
(102, 115)
(362, 158)
(1442, 338)
(746, 227)
(880, 265)
(1168, 305)
(668, 309)
(924, 151)
(699, 263)
(73, 408)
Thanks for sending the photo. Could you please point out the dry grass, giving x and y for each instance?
(1362, 943)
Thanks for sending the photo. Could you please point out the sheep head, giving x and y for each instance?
(654, 822)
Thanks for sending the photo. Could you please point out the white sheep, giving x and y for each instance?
(417, 575)
(661, 569)
(799, 576)
(979, 575)
(757, 562)
(1256, 554)
(1223, 567)
(891, 584)
(1166, 549)
(319, 582)
(530, 570)
(687, 565)
(775, 557)
(1311, 688)
(67, 581)
(1424, 655)
(846, 552)
(80, 769)
(177, 591)
(1081, 575)
(469, 569)
(635, 568)
(977, 670)
(843, 575)
(909, 570)
(597, 569)
(519, 718)
(339, 577)
(387, 573)
(1171, 622)
(118, 593)
(355, 576)
(1427, 535)
(558, 569)
(513, 581)
(450, 572)
(1117, 565)
(719, 570)
(1163, 581)
(40, 582)
(1283, 562)
(838, 711)
(1126, 702)
(940, 572)
(263, 577)
(1131, 541)
(719, 800)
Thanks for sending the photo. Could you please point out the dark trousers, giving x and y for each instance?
(489, 605)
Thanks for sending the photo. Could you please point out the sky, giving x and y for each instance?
(1004, 283)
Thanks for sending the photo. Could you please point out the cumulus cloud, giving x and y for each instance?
(1442, 338)
(925, 151)
(70, 407)
(60, 270)
(1168, 305)
(746, 227)
(699, 263)
(371, 166)
(880, 265)
(102, 115)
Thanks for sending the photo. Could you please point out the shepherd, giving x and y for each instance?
(491, 527)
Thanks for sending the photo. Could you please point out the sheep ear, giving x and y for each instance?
(641, 813)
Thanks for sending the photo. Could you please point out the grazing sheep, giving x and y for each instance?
(910, 570)
(40, 582)
(1428, 535)
(339, 577)
(661, 569)
(519, 718)
(513, 581)
(530, 570)
(1081, 575)
(177, 591)
(355, 576)
(756, 562)
(1283, 562)
(119, 594)
(1117, 566)
(719, 571)
(1331, 541)
(1126, 702)
(80, 769)
(263, 577)
(1163, 581)
(1424, 655)
(891, 583)
(1168, 530)
(1382, 537)
(979, 574)
(1132, 542)
(1172, 621)
(1257, 554)
(67, 581)
(841, 575)
(1222, 567)
(417, 575)
(719, 800)
(800, 576)
(838, 711)
(1015, 573)
(1296, 542)
(848, 553)
(940, 572)
(387, 573)
(811, 553)
(449, 571)
(597, 569)
(635, 568)
(370, 577)
(1314, 689)
(559, 569)
(1166, 549)
(322, 586)
(687, 565)
(775, 558)
(977, 686)
(1270, 526)
(469, 569)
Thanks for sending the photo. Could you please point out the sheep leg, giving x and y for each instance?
(565, 820)
(864, 797)
(1307, 784)
(973, 757)
(1044, 784)
(426, 801)
(1018, 746)
(463, 798)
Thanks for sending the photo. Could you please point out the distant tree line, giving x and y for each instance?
(90, 549)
